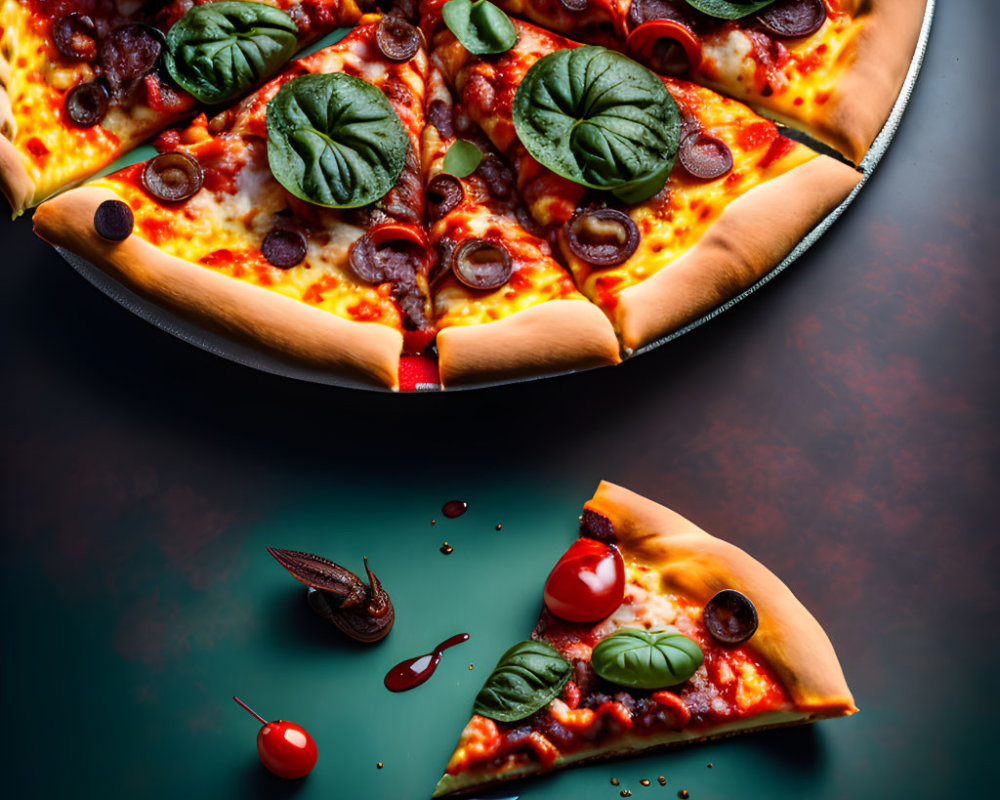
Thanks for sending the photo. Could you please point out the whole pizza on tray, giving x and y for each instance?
(447, 192)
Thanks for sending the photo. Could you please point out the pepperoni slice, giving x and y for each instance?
(129, 54)
(113, 220)
(284, 248)
(793, 19)
(173, 177)
(87, 103)
(444, 193)
(396, 38)
(482, 264)
(602, 236)
(75, 37)
(705, 156)
(730, 617)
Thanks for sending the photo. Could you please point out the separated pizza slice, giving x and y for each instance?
(81, 83)
(293, 219)
(653, 633)
(832, 68)
(504, 308)
(666, 199)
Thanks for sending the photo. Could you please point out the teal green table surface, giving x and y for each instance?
(840, 425)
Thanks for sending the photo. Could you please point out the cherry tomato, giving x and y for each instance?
(587, 583)
(286, 749)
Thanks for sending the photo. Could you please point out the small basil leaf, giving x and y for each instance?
(481, 27)
(599, 119)
(527, 678)
(646, 659)
(217, 51)
(335, 140)
(724, 9)
(462, 159)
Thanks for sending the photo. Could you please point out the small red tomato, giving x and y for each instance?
(587, 583)
(286, 749)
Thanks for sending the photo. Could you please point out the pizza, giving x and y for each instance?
(739, 195)
(447, 196)
(503, 306)
(219, 237)
(84, 81)
(653, 633)
(832, 68)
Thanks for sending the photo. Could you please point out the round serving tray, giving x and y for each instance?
(260, 359)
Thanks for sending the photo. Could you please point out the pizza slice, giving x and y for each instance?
(503, 306)
(832, 68)
(666, 199)
(292, 220)
(81, 82)
(653, 633)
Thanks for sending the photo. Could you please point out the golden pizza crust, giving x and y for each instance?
(622, 747)
(366, 350)
(752, 235)
(554, 336)
(696, 565)
(867, 90)
(15, 183)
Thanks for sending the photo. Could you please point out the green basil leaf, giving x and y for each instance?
(725, 9)
(646, 659)
(335, 140)
(481, 27)
(217, 51)
(462, 159)
(527, 678)
(599, 119)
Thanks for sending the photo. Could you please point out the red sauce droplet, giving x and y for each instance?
(412, 672)
(446, 548)
(454, 508)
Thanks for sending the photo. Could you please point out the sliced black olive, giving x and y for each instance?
(705, 156)
(597, 526)
(75, 37)
(113, 220)
(793, 19)
(130, 53)
(602, 236)
(388, 252)
(284, 248)
(87, 103)
(730, 617)
(482, 264)
(396, 38)
(172, 177)
(574, 5)
(444, 193)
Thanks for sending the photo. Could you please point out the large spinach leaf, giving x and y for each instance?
(217, 51)
(481, 27)
(646, 659)
(727, 9)
(599, 119)
(335, 140)
(527, 678)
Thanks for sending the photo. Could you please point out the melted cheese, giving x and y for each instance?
(224, 231)
(55, 153)
(673, 221)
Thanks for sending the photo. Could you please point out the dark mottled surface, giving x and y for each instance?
(841, 425)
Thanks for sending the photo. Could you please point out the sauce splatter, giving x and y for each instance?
(412, 672)
(454, 508)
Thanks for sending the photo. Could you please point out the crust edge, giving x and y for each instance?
(369, 351)
(867, 90)
(750, 237)
(15, 183)
(696, 565)
(553, 336)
